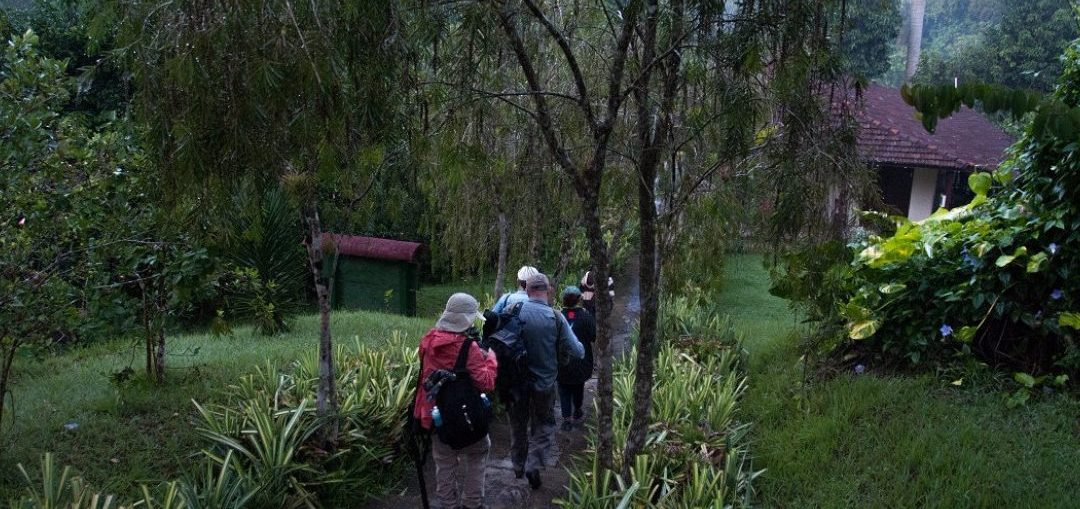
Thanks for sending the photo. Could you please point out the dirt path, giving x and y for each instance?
(503, 490)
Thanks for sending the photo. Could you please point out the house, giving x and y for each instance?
(919, 172)
(372, 273)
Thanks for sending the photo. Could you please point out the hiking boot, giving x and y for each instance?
(519, 473)
(534, 479)
(568, 425)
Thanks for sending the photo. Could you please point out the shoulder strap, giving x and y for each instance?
(463, 356)
(516, 308)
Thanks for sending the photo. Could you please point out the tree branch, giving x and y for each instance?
(543, 113)
(571, 60)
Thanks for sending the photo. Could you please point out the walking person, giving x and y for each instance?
(448, 346)
(588, 291)
(547, 337)
(509, 299)
(573, 375)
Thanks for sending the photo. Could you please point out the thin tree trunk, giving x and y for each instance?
(5, 374)
(651, 139)
(504, 247)
(159, 355)
(604, 393)
(916, 13)
(326, 394)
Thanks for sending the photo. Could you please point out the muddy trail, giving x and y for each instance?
(503, 491)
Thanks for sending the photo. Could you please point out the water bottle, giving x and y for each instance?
(436, 417)
(484, 398)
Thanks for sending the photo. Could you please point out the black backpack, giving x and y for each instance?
(508, 344)
(465, 415)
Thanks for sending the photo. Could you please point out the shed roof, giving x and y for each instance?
(890, 133)
(375, 248)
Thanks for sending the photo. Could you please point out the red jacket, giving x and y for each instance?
(439, 350)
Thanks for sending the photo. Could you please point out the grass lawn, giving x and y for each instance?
(884, 441)
(141, 433)
(431, 299)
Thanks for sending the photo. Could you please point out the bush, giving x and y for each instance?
(696, 453)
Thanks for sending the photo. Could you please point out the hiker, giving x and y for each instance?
(547, 337)
(574, 374)
(588, 291)
(440, 350)
(509, 299)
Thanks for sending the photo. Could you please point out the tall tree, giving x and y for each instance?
(916, 14)
(266, 93)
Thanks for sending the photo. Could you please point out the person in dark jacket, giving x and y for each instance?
(573, 375)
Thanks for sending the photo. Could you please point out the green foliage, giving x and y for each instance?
(696, 454)
(870, 29)
(257, 236)
(320, 101)
(1016, 44)
(68, 32)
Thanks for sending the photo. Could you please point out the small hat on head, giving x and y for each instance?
(460, 313)
(571, 290)
(536, 281)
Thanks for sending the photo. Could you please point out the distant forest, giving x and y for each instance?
(1014, 43)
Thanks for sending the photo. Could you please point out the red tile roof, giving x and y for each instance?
(890, 133)
(376, 248)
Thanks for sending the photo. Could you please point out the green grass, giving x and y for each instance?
(140, 432)
(431, 299)
(890, 441)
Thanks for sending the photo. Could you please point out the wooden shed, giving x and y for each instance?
(372, 273)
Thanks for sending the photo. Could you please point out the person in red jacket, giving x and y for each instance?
(439, 350)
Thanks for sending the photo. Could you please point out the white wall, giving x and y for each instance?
(923, 193)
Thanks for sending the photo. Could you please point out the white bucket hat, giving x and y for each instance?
(460, 313)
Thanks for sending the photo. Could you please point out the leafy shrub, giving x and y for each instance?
(696, 453)
(259, 238)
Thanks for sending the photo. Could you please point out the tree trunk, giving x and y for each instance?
(326, 394)
(504, 247)
(599, 253)
(159, 355)
(651, 140)
(5, 374)
(916, 13)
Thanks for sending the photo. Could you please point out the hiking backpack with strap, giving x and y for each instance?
(465, 415)
(508, 344)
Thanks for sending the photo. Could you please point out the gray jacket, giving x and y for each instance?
(549, 341)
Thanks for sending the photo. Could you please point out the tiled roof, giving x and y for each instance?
(890, 133)
(376, 248)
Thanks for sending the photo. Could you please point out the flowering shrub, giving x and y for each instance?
(996, 278)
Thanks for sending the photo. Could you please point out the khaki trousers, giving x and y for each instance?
(467, 466)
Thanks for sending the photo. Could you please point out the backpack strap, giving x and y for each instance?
(516, 309)
(461, 366)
